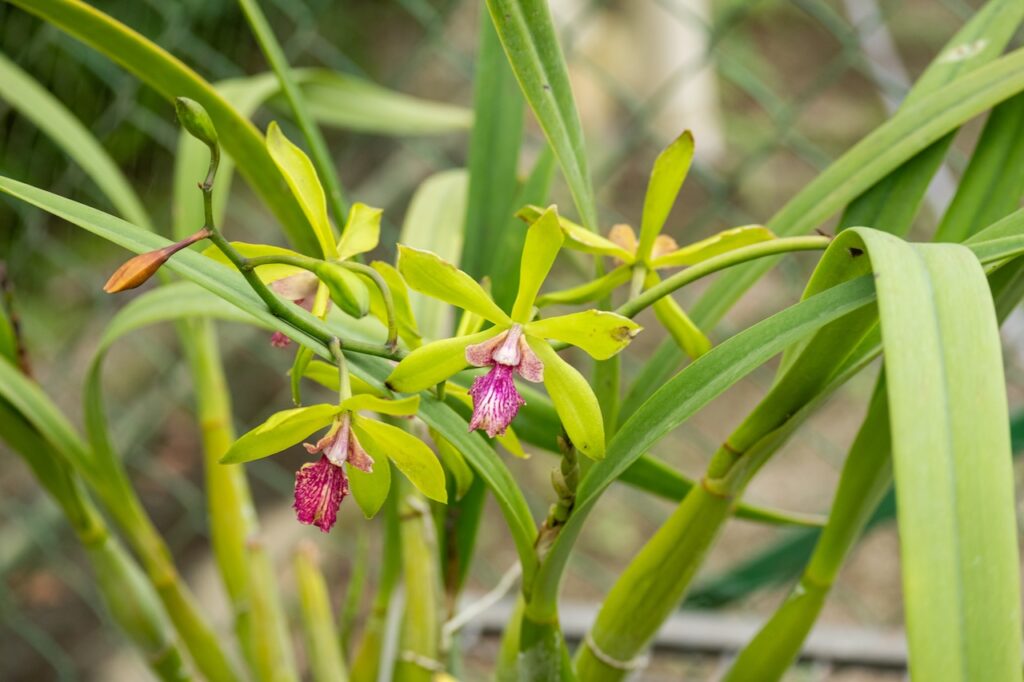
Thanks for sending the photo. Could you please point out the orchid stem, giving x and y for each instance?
(385, 294)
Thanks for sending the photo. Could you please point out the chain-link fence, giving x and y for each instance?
(772, 90)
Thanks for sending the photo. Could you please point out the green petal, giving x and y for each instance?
(686, 333)
(591, 291)
(362, 231)
(543, 241)
(574, 400)
(408, 330)
(326, 375)
(301, 177)
(398, 408)
(601, 334)
(434, 362)
(578, 237)
(370, 489)
(427, 273)
(667, 177)
(411, 455)
(723, 242)
(280, 431)
(267, 273)
(454, 462)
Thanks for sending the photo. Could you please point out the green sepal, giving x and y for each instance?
(428, 273)
(370, 489)
(348, 290)
(300, 174)
(578, 237)
(674, 319)
(599, 333)
(411, 455)
(591, 291)
(434, 362)
(715, 245)
(402, 407)
(574, 400)
(362, 231)
(544, 239)
(667, 176)
(280, 431)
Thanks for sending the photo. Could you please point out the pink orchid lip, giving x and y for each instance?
(496, 401)
(321, 486)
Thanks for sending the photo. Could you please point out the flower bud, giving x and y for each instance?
(137, 270)
(346, 288)
(195, 120)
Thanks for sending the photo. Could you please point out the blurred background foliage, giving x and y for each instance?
(773, 91)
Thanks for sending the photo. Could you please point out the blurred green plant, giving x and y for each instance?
(936, 428)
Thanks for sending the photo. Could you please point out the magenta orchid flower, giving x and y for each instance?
(516, 344)
(355, 455)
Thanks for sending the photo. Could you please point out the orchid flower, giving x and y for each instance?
(516, 344)
(640, 259)
(353, 455)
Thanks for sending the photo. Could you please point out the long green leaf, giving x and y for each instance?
(171, 78)
(35, 103)
(528, 36)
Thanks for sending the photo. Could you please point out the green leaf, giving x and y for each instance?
(171, 78)
(434, 362)
(591, 291)
(543, 241)
(345, 101)
(578, 237)
(455, 463)
(574, 401)
(601, 334)
(403, 407)
(429, 274)
(528, 36)
(362, 231)
(667, 176)
(723, 242)
(279, 432)
(954, 485)
(36, 104)
(438, 204)
(412, 457)
(493, 153)
(908, 132)
(301, 177)
(371, 489)
(268, 273)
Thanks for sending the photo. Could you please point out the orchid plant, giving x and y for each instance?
(420, 403)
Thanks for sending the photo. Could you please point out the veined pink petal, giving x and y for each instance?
(319, 489)
(357, 456)
(297, 287)
(479, 354)
(496, 401)
(530, 367)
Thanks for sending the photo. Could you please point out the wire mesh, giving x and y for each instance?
(772, 90)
